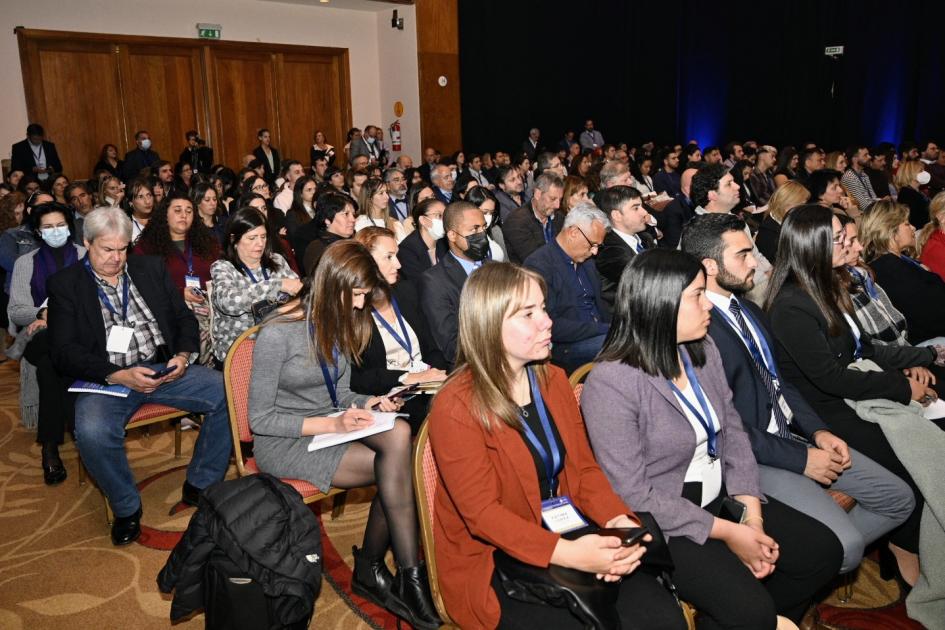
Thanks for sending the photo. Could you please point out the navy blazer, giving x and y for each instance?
(441, 197)
(22, 158)
(269, 173)
(413, 257)
(752, 400)
(568, 325)
(612, 257)
(672, 219)
(440, 287)
(77, 327)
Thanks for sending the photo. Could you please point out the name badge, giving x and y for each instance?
(560, 516)
(417, 365)
(785, 408)
(192, 282)
(119, 339)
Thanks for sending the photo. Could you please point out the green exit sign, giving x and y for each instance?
(209, 31)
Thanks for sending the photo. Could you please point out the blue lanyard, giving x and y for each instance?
(104, 298)
(765, 357)
(911, 261)
(865, 280)
(553, 462)
(331, 380)
(405, 341)
(252, 277)
(548, 230)
(704, 420)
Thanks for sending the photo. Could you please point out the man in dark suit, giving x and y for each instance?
(441, 176)
(139, 158)
(797, 454)
(678, 213)
(441, 285)
(197, 153)
(430, 159)
(35, 155)
(531, 146)
(397, 194)
(580, 317)
(629, 219)
(116, 321)
(537, 222)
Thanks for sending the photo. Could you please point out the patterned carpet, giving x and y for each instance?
(59, 569)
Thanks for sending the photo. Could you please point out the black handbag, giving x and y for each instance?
(591, 600)
(264, 308)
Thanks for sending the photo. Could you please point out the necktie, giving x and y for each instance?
(766, 377)
(639, 247)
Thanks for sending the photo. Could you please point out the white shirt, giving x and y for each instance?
(283, 200)
(364, 221)
(702, 468)
(630, 239)
(396, 355)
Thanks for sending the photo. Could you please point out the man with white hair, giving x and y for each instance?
(441, 176)
(531, 147)
(123, 322)
(580, 317)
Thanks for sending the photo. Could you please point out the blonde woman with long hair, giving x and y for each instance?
(930, 241)
(373, 209)
(790, 195)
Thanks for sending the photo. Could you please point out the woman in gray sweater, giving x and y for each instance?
(300, 378)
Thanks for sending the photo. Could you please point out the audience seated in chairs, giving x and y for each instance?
(301, 377)
(798, 457)
(494, 476)
(425, 245)
(661, 420)
(52, 224)
(334, 221)
(485, 200)
(401, 350)
(623, 205)
(373, 202)
(115, 320)
(537, 222)
(817, 338)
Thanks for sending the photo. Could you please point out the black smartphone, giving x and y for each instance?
(628, 536)
(163, 372)
(407, 392)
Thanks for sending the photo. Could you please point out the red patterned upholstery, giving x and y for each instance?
(240, 359)
(302, 487)
(430, 477)
(149, 411)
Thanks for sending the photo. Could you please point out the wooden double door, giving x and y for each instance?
(89, 90)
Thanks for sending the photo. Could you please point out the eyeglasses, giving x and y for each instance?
(260, 187)
(593, 246)
(840, 239)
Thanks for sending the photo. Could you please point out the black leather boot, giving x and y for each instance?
(372, 579)
(54, 472)
(410, 598)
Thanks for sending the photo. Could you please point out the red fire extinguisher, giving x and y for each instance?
(395, 136)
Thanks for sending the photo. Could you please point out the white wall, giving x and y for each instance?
(383, 61)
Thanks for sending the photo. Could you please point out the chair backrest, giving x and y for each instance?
(577, 380)
(425, 479)
(237, 370)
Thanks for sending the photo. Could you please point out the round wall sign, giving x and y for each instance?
(398, 109)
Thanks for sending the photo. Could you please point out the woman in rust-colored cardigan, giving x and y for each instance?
(484, 427)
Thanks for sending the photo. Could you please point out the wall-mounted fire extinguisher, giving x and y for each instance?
(395, 144)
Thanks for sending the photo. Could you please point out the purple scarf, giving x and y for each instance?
(44, 265)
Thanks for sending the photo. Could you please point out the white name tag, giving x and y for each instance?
(560, 516)
(119, 339)
(192, 282)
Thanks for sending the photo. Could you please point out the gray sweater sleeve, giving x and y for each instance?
(269, 355)
(21, 309)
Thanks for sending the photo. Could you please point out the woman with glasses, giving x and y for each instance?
(818, 337)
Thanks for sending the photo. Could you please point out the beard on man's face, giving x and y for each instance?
(733, 284)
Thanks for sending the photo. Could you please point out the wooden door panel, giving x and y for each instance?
(310, 100)
(245, 102)
(164, 95)
(81, 102)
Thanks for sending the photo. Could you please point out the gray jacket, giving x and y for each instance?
(644, 443)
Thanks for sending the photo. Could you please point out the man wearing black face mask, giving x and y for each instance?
(441, 285)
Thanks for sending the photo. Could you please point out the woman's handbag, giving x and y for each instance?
(264, 308)
(591, 600)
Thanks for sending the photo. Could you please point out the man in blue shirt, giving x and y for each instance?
(581, 318)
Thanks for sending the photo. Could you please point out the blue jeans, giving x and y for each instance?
(571, 356)
(100, 433)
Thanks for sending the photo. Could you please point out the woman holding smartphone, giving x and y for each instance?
(660, 417)
(301, 379)
(510, 446)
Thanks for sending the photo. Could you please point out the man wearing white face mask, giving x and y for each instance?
(140, 157)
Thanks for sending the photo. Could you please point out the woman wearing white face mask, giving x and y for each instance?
(52, 223)
(484, 200)
(910, 176)
(423, 247)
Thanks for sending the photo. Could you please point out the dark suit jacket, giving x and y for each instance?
(918, 205)
(752, 400)
(667, 182)
(531, 151)
(270, 174)
(425, 169)
(816, 361)
(78, 329)
(568, 326)
(413, 257)
(671, 220)
(769, 232)
(918, 293)
(135, 161)
(372, 376)
(392, 209)
(22, 158)
(524, 233)
(440, 286)
(200, 158)
(439, 195)
(613, 256)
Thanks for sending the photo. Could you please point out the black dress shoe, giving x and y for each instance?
(371, 579)
(410, 599)
(126, 529)
(54, 472)
(190, 494)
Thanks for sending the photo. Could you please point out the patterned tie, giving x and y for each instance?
(766, 377)
(640, 246)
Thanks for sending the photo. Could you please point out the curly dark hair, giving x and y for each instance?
(156, 237)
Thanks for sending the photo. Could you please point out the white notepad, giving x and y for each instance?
(383, 421)
(935, 410)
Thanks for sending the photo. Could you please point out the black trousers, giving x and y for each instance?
(56, 404)
(727, 595)
(643, 604)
